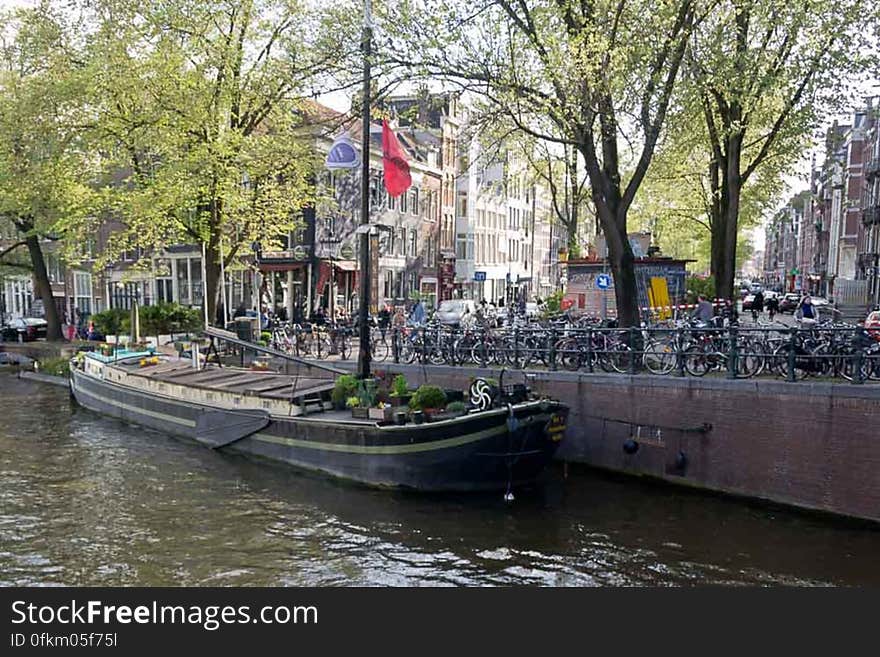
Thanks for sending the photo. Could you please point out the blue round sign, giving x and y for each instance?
(603, 281)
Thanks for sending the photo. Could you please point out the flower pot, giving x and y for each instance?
(400, 418)
(361, 413)
(402, 400)
(382, 414)
(418, 417)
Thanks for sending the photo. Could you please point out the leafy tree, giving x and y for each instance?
(44, 172)
(595, 76)
(676, 200)
(113, 321)
(555, 167)
(764, 73)
(198, 117)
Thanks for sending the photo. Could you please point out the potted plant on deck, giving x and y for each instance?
(357, 411)
(400, 394)
(428, 399)
(366, 398)
(456, 408)
(382, 412)
(346, 386)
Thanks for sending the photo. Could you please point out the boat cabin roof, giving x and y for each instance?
(271, 385)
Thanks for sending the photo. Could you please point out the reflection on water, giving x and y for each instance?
(85, 500)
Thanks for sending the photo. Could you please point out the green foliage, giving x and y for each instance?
(169, 318)
(552, 304)
(456, 407)
(346, 386)
(45, 165)
(399, 386)
(428, 396)
(701, 285)
(596, 77)
(353, 402)
(113, 321)
(202, 107)
(55, 366)
(366, 393)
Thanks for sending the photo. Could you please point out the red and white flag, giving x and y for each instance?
(394, 164)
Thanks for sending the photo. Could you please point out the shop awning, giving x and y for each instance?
(346, 265)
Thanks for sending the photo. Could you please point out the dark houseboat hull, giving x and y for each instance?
(490, 450)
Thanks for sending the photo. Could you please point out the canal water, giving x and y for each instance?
(85, 501)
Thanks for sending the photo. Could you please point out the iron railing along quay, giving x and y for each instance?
(830, 351)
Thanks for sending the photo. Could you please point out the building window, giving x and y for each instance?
(403, 198)
(82, 292)
(189, 281)
(123, 295)
(401, 242)
(164, 290)
(415, 201)
(413, 243)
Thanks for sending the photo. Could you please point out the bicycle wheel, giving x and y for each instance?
(619, 356)
(344, 346)
(750, 359)
(781, 362)
(568, 354)
(482, 353)
(697, 361)
(380, 350)
(659, 356)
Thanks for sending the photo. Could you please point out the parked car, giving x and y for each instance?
(452, 311)
(531, 309)
(25, 329)
(872, 322)
(789, 302)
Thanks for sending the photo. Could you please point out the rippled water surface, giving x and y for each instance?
(85, 500)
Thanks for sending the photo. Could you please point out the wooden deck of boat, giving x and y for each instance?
(226, 379)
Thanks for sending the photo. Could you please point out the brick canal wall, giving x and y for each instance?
(811, 445)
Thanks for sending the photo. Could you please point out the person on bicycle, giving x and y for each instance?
(704, 312)
(757, 305)
(384, 319)
(772, 306)
(806, 313)
(417, 314)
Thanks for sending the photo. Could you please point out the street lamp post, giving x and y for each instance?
(363, 368)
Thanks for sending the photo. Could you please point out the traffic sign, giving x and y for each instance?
(479, 276)
(603, 281)
(346, 252)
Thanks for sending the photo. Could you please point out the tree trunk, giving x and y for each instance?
(212, 277)
(733, 183)
(572, 241)
(622, 262)
(44, 288)
(212, 260)
(724, 231)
